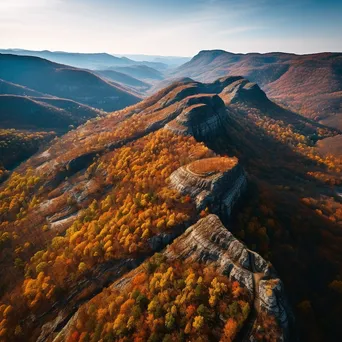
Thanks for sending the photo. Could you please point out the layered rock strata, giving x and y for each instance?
(242, 90)
(209, 242)
(216, 183)
(202, 117)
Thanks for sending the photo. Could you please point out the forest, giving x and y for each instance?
(165, 301)
(100, 197)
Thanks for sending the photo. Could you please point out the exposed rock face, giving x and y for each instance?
(208, 241)
(202, 116)
(243, 90)
(213, 182)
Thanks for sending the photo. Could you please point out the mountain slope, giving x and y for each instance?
(141, 72)
(18, 145)
(8, 88)
(104, 198)
(28, 122)
(42, 113)
(79, 60)
(308, 84)
(214, 252)
(63, 81)
(124, 79)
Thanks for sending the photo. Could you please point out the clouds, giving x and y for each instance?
(178, 27)
(13, 6)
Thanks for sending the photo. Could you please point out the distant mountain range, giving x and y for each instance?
(85, 60)
(308, 84)
(63, 81)
(171, 61)
(141, 72)
(138, 76)
(124, 79)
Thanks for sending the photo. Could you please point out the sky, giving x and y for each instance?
(172, 28)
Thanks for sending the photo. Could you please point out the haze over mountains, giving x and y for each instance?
(171, 61)
(84, 60)
(64, 81)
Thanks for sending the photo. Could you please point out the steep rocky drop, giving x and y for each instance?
(209, 241)
(216, 183)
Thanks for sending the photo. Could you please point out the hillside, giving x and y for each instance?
(64, 81)
(124, 80)
(22, 112)
(308, 84)
(8, 88)
(332, 145)
(106, 196)
(141, 72)
(28, 123)
(232, 182)
(18, 145)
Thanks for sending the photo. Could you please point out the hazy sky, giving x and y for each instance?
(174, 27)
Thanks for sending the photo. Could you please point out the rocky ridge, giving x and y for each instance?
(289, 79)
(186, 108)
(202, 117)
(210, 242)
(243, 90)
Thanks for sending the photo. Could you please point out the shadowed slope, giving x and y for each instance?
(63, 81)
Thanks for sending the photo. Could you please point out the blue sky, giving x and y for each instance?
(178, 27)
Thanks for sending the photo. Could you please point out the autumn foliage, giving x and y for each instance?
(137, 205)
(165, 301)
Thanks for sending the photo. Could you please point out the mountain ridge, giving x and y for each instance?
(73, 173)
(289, 79)
(82, 60)
(103, 198)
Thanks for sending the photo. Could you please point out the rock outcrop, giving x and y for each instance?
(216, 183)
(202, 116)
(208, 241)
(242, 90)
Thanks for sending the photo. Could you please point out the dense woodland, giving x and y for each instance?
(165, 301)
(116, 226)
